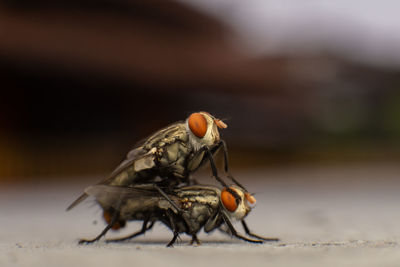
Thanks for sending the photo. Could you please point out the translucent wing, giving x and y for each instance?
(205, 189)
(140, 151)
(115, 195)
(132, 156)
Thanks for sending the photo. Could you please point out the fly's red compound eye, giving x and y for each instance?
(228, 200)
(198, 124)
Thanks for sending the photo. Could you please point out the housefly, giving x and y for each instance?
(204, 207)
(168, 157)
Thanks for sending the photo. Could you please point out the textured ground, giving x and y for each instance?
(325, 216)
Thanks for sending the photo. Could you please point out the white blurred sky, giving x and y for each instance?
(368, 31)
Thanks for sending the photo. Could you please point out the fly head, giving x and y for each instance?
(202, 129)
(236, 207)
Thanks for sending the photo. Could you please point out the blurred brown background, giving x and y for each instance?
(83, 81)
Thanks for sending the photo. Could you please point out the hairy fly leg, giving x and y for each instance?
(226, 166)
(180, 212)
(108, 227)
(195, 239)
(215, 174)
(236, 234)
(164, 195)
(170, 216)
(138, 233)
(249, 233)
(213, 166)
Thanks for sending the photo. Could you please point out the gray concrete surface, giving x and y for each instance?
(325, 216)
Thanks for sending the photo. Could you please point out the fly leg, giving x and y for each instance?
(171, 243)
(236, 234)
(142, 231)
(249, 233)
(215, 174)
(226, 167)
(213, 166)
(108, 227)
(162, 193)
(195, 239)
(173, 227)
(180, 212)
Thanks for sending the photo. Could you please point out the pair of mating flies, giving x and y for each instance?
(153, 184)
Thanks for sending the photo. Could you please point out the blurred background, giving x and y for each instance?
(313, 82)
(310, 91)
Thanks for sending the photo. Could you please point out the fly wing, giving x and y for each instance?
(200, 188)
(77, 201)
(143, 148)
(132, 156)
(115, 195)
(139, 152)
